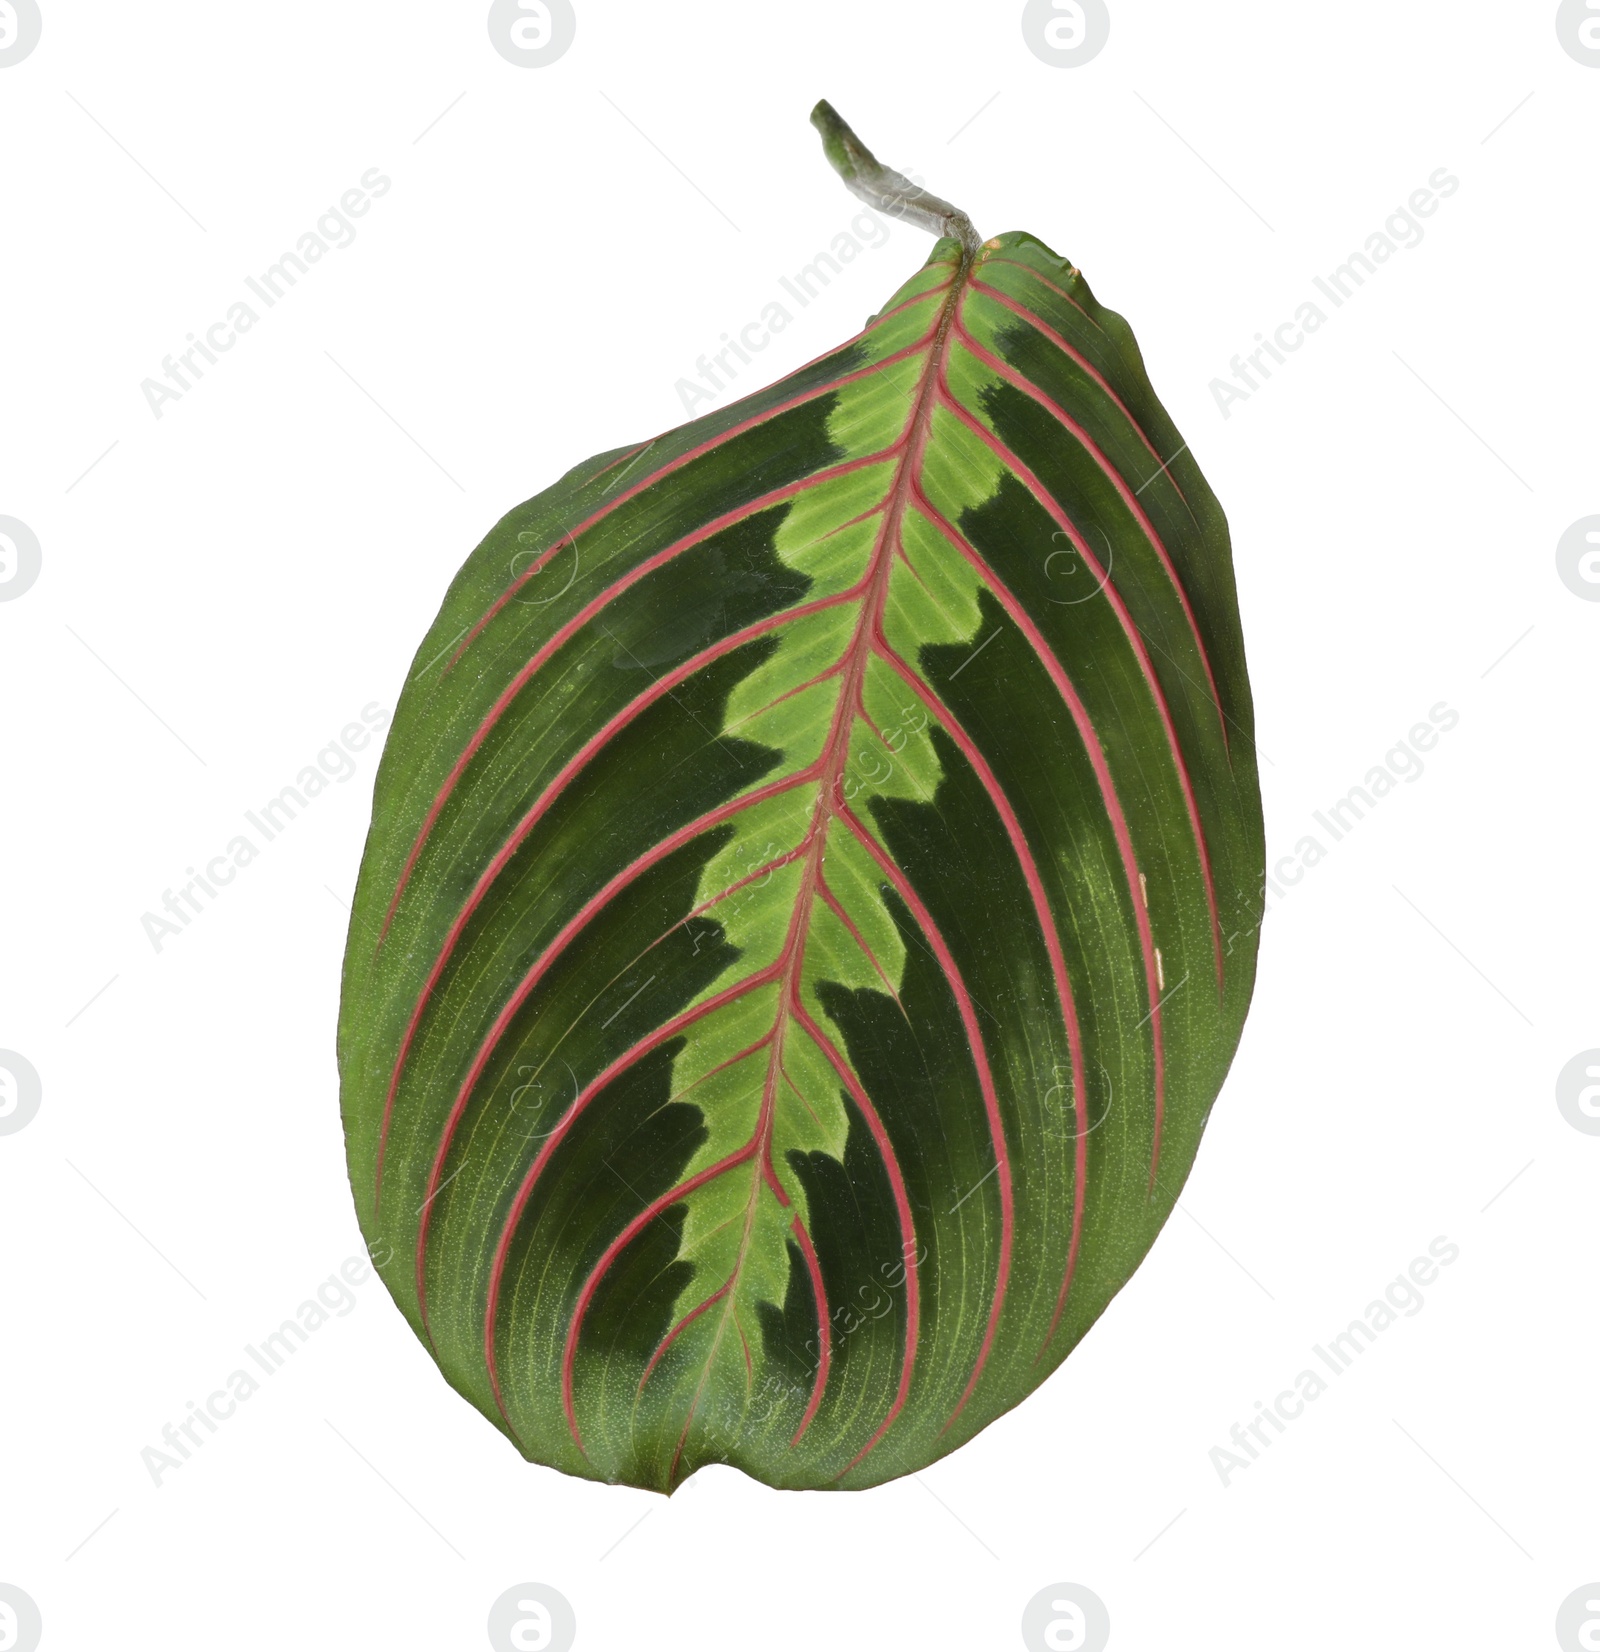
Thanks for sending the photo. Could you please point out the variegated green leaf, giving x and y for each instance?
(809, 908)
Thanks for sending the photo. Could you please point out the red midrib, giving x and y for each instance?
(787, 971)
(541, 806)
(645, 482)
(564, 634)
(835, 755)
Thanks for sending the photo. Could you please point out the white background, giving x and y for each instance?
(230, 584)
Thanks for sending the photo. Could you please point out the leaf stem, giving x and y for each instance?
(882, 187)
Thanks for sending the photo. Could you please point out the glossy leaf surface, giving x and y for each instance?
(810, 903)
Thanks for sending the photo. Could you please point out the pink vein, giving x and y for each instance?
(1040, 325)
(580, 1104)
(683, 1325)
(542, 805)
(571, 929)
(902, 1205)
(1050, 933)
(1010, 375)
(1060, 292)
(788, 966)
(912, 444)
(1047, 501)
(1090, 739)
(588, 612)
(697, 452)
(836, 907)
(991, 1103)
(824, 1340)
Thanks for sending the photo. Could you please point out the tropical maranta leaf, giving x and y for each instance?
(810, 903)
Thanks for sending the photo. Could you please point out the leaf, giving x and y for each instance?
(811, 897)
